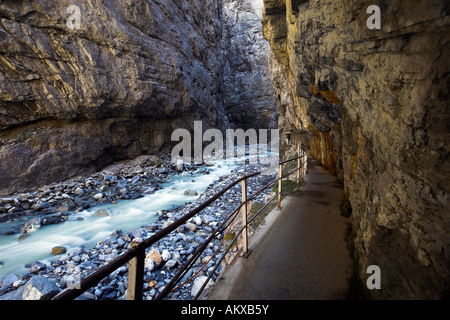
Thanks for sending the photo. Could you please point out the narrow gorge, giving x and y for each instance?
(87, 86)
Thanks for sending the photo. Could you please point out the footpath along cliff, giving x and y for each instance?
(372, 106)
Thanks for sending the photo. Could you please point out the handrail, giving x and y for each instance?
(136, 253)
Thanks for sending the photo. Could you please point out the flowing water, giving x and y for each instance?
(125, 215)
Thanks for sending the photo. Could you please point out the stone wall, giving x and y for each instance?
(373, 108)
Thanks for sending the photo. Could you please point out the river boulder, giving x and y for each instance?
(190, 192)
(40, 288)
(31, 225)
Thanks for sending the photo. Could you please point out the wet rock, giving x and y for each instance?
(122, 183)
(58, 250)
(68, 281)
(22, 236)
(13, 295)
(116, 233)
(37, 267)
(31, 226)
(190, 192)
(8, 281)
(40, 288)
(62, 209)
(148, 190)
(102, 212)
(54, 219)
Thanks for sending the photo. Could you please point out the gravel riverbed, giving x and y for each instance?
(52, 204)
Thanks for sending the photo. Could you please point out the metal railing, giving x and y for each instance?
(135, 256)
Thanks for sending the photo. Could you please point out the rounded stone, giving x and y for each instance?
(58, 250)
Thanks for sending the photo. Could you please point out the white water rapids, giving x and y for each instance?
(125, 215)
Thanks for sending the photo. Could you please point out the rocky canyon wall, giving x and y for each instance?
(73, 100)
(372, 106)
(76, 100)
(248, 94)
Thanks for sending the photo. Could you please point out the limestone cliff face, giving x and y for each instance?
(248, 94)
(372, 105)
(75, 100)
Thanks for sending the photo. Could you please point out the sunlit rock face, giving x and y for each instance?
(73, 100)
(372, 106)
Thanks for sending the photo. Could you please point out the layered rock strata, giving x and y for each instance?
(76, 97)
(74, 100)
(372, 106)
(248, 94)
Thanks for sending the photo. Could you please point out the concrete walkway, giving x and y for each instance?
(300, 252)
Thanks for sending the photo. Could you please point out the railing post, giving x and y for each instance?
(280, 175)
(298, 168)
(245, 252)
(136, 273)
(304, 164)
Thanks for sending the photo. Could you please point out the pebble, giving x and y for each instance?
(155, 256)
(58, 250)
(190, 192)
(166, 255)
(190, 226)
(171, 252)
(198, 221)
(149, 264)
(79, 191)
(98, 196)
(170, 263)
(37, 266)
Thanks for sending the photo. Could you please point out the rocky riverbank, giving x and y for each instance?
(125, 180)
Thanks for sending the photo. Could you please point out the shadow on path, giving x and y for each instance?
(301, 251)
